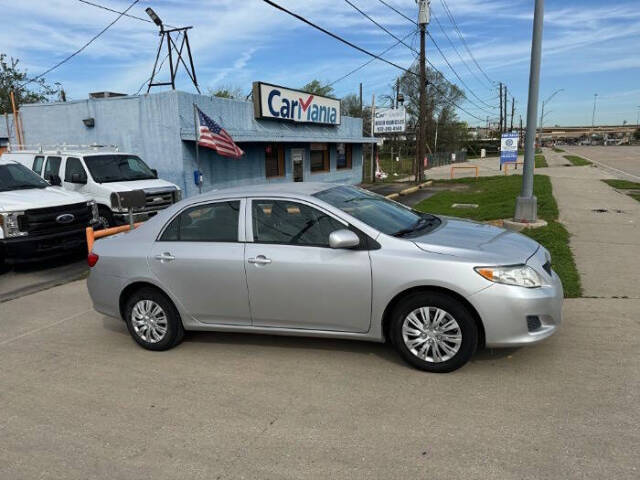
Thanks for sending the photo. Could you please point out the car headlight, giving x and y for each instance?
(519, 275)
(94, 211)
(10, 224)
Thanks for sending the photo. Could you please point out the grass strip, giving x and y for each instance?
(541, 162)
(577, 161)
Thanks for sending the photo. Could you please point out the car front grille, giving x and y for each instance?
(60, 219)
(158, 200)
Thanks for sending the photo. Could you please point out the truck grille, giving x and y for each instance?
(55, 219)
(158, 200)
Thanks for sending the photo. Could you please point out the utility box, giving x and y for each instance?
(483, 153)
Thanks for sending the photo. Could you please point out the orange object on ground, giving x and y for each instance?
(515, 164)
(464, 166)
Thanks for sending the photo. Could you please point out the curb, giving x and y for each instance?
(407, 191)
(392, 196)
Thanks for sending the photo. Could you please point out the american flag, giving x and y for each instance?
(212, 135)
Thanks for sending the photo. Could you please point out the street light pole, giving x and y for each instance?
(527, 203)
(542, 113)
(593, 116)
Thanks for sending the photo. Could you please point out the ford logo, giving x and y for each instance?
(65, 218)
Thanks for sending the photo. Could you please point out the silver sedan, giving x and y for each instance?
(327, 260)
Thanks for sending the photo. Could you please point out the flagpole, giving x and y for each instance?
(195, 126)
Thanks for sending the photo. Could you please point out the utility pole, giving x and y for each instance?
(513, 111)
(505, 108)
(373, 145)
(500, 107)
(361, 102)
(527, 203)
(593, 117)
(423, 21)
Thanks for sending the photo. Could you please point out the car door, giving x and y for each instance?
(295, 279)
(75, 176)
(199, 258)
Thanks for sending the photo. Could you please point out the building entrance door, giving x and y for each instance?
(297, 157)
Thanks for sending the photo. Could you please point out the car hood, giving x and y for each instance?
(480, 242)
(20, 200)
(151, 184)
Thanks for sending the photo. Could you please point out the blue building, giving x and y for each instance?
(160, 129)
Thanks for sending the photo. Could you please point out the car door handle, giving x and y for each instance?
(259, 260)
(165, 257)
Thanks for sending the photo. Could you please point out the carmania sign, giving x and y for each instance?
(272, 101)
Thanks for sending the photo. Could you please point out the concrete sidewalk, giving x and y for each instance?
(604, 227)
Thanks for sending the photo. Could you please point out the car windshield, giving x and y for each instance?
(14, 176)
(378, 212)
(117, 168)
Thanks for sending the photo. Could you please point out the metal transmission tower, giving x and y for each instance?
(174, 54)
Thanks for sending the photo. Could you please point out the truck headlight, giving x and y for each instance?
(94, 211)
(10, 224)
(519, 275)
(177, 195)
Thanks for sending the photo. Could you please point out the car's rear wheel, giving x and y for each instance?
(153, 320)
(434, 332)
(105, 218)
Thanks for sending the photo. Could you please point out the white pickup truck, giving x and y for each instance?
(97, 172)
(37, 220)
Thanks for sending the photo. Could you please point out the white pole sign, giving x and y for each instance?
(389, 120)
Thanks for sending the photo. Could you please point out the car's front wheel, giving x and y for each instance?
(434, 332)
(153, 320)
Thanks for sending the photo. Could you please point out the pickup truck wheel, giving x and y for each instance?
(152, 320)
(434, 332)
(105, 218)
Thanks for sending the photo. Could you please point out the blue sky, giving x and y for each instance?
(589, 47)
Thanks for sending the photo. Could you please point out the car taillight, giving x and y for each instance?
(92, 259)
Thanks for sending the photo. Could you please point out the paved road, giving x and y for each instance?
(80, 400)
(625, 160)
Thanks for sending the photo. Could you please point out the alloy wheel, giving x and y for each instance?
(431, 334)
(149, 321)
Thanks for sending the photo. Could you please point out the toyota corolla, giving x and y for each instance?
(327, 260)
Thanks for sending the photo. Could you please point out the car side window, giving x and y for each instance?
(52, 167)
(73, 166)
(37, 164)
(214, 222)
(292, 223)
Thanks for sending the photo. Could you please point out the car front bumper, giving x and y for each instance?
(42, 247)
(517, 316)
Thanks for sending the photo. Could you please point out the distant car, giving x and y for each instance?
(327, 260)
(97, 172)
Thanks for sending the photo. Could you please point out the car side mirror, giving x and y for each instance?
(78, 178)
(155, 172)
(343, 239)
(55, 180)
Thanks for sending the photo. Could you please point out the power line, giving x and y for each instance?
(142, 19)
(456, 73)
(94, 38)
(370, 61)
(430, 64)
(382, 27)
(397, 11)
(464, 42)
(433, 15)
(337, 37)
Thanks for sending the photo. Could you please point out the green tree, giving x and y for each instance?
(350, 105)
(227, 91)
(13, 78)
(317, 88)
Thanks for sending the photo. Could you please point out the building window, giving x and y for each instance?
(319, 157)
(344, 154)
(274, 160)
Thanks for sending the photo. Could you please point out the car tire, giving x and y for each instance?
(152, 320)
(442, 343)
(105, 218)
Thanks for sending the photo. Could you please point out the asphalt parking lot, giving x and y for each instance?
(80, 400)
(622, 161)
